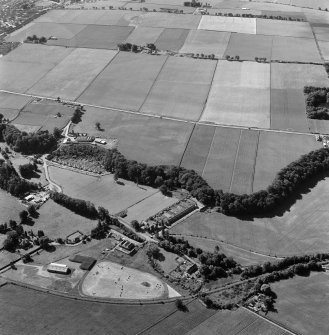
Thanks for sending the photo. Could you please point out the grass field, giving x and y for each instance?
(296, 76)
(70, 77)
(288, 110)
(275, 151)
(196, 153)
(148, 207)
(284, 28)
(231, 100)
(238, 322)
(72, 316)
(9, 207)
(299, 227)
(181, 89)
(206, 42)
(249, 46)
(112, 280)
(220, 161)
(102, 191)
(101, 37)
(233, 24)
(294, 49)
(139, 135)
(57, 221)
(133, 73)
(44, 115)
(171, 39)
(302, 304)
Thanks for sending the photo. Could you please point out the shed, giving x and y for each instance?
(58, 268)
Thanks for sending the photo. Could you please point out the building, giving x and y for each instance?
(191, 269)
(58, 268)
(127, 247)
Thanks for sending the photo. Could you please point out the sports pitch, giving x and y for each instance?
(112, 280)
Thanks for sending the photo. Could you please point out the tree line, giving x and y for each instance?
(286, 182)
(316, 98)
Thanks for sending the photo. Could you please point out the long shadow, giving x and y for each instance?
(286, 204)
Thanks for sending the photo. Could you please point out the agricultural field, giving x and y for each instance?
(111, 280)
(148, 207)
(231, 99)
(11, 104)
(138, 136)
(57, 221)
(73, 75)
(301, 230)
(102, 191)
(72, 315)
(178, 91)
(144, 35)
(206, 42)
(321, 32)
(302, 303)
(171, 39)
(324, 49)
(240, 321)
(126, 73)
(45, 115)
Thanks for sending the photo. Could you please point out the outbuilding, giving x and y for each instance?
(58, 268)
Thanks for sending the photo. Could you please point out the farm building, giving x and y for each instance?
(85, 139)
(58, 268)
(127, 247)
(86, 262)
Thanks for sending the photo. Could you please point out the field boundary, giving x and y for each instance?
(255, 162)
(235, 160)
(187, 143)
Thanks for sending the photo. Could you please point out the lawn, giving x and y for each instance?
(102, 191)
(145, 139)
(294, 49)
(284, 28)
(302, 303)
(44, 114)
(206, 42)
(73, 75)
(72, 316)
(288, 110)
(232, 101)
(125, 82)
(101, 37)
(244, 168)
(181, 89)
(249, 46)
(171, 39)
(57, 221)
(112, 280)
(296, 76)
(233, 24)
(196, 153)
(299, 229)
(275, 151)
(219, 166)
(148, 207)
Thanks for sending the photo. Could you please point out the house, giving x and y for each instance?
(58, 268)
(191, 269)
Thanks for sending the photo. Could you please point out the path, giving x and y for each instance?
(53, 186)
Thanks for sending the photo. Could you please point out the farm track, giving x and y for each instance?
(163, 117)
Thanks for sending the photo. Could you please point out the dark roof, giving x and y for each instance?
(86, 262)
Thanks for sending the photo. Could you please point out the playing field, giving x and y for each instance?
(249, 46)
(171, 39)
(206, 42)
(296, 76)
(101, 37)
(57, 221)
(144, 35)
(148, 207)
(112, 280)
(233, 24)
(72, 316)
(125, 82)
(302, 304)
(73, 75)
(181, 89)
(45, 115)
(295, 49)
(275, 151)
(288, 110)
(148, 140)
(284, 28)
(221, 158)
(239, 95)
(102, 191)
(196, 153)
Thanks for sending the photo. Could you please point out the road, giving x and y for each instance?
(52, 186)
(163, 117)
